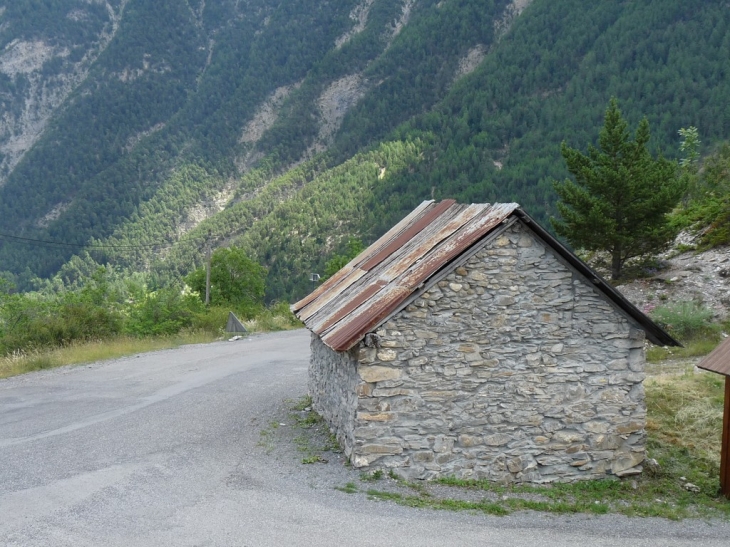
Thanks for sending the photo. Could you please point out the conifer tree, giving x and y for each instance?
(620, 196)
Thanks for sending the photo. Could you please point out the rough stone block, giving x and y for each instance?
(498, 439)
(387, 355)
(490, 363)
(468, 348)
(367, 355)
(375, 416)
(423, 456)
(392, 392)
(631, 427)
(372, 374)
(364, 390)
(385, 449)
(418, 361)
(624, 462)
(469, 440)
(504, 301)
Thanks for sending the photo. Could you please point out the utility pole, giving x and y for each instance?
(207, 277)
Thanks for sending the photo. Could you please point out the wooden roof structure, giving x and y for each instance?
(415, 253)
(719, 361)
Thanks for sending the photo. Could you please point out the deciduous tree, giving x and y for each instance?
(235, 279)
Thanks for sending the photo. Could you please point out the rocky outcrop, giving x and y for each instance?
(470, 61)
(335, 102)
(359, 15)
(40, 90)
(265, 116)
(511, 12)
(701, 277)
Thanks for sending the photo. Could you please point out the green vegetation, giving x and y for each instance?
(337, 262)
(349, 488)
(66, 324)
(692, 324)
(686, 320)
(235, 280)
(707, 207)
(313, 439)
(621, 195)
(156, 129)
(693, 348)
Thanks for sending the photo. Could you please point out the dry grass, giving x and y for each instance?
(686, 410)
(26, 361)
(271, 322)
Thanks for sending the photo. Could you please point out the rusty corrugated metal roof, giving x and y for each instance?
(718, 360)
(358, 298)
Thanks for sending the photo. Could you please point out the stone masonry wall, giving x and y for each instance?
(513, 368)
(333, 382)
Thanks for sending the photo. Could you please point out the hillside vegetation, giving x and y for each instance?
(287, 128)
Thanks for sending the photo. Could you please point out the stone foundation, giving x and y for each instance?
(513, 368)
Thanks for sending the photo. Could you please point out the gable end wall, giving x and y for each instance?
(512, 368)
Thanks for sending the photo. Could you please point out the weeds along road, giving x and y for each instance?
(165, 449)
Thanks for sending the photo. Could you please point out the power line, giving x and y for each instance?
(49, 242)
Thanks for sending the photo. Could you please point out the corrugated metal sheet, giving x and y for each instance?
(375, 284)
(719, 360)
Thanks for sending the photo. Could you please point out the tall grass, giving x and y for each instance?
(686, 411)
(20, 362)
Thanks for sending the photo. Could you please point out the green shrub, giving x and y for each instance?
(685, 319)
(213, 319)
(33, 322)
(165, 311)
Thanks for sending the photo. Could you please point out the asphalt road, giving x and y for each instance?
(165, 449)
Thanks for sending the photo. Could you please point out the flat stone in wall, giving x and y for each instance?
(513, 368)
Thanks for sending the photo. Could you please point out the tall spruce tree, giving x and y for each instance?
(621, 195)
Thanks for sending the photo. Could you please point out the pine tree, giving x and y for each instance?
(621, 195)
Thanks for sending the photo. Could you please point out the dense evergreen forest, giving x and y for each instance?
(289, 127)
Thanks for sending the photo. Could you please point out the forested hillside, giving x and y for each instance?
(288, 127)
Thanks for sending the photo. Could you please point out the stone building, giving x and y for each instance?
(469, 342)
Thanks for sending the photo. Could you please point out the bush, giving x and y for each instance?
(685, 319)
(213, 319)
(165, 311)
(30, 322)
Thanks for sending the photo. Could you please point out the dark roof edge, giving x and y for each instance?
(654, 332)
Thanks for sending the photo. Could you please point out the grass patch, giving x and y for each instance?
(313, 459)
(267, 439)
(486, 507)
(693, 348)
(372, 477)
(349, 488)
(315, 438)
(21, 362)
(276, 318)
(685, 414)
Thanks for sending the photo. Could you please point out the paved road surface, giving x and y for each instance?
(164, 449)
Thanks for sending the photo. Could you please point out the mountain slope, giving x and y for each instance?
(194, 113)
